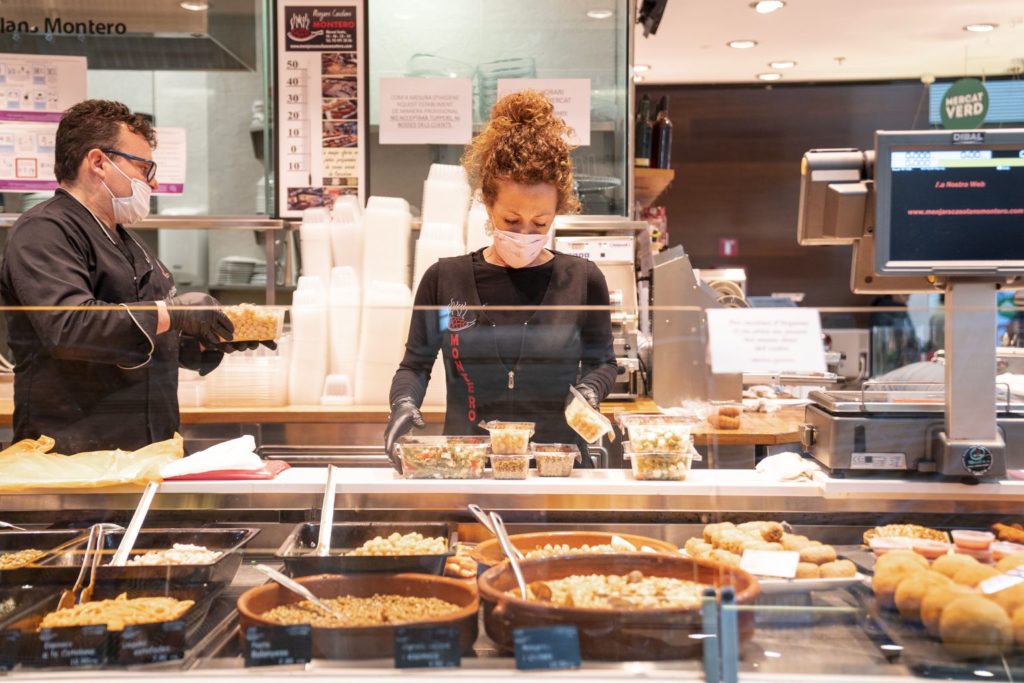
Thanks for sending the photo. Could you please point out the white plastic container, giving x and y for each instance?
(191, 389)
(309, 343)
(347, 237)
(476, 227)
(387, 310)
(256, 378)
(315, 243)
(337, 391)
(386, 246)
(437, 240)
(343, 314)
(446, 195)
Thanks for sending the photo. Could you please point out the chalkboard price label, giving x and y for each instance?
(427, 647)
(547, 647)
(278, 645)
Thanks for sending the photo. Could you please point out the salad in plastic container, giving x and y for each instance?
(656, 433)
(585, 421)
(555, 459)
(440, 457)
(663, 466)
(509, 438)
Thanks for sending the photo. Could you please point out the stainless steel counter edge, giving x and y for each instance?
(605, 490)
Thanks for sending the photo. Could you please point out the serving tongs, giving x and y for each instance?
(482, 517)
(323, 541)
(93, 552)
(12, 527)
(498, 525)
(296, 587)
(138, 519)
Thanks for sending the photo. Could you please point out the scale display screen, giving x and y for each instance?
(950, 209)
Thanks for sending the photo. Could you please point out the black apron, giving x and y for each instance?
(530, 385)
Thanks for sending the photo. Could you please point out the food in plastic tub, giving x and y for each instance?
(930, 549)
(555, 459)
(585, 421)
(1001, 549)
(660, 466)
(426, 457)
(656, 433)
(510, 466)
(973, 540)
(255, 323)
(882, 545)
(725, 416)
(509, 438)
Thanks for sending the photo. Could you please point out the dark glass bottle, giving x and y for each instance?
(661, 137)
(644, 132)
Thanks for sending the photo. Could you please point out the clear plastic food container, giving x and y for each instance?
(555, 459)
(509, 438)
(656, 433)
(666, 466)
(433, 457)
(510, 466)
(255, 323)
(585, 421)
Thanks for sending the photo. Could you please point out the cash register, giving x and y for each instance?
(926, 211)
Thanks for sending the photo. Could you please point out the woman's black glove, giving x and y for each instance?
(405, 415)
(196, 314)
(588, 393)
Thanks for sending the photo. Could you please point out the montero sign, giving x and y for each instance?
(965, 104)
(57, 26)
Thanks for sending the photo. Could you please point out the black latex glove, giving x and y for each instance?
(405, 415)
(192, 356)
(231, 347)
(192, 315)
(587, 392)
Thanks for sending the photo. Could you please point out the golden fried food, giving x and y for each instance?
(818, 554)
(1010, 562)
(972, 576)
(973, 626)
(911, 591)
(1013, 533)
(118, 613)
(905, 531)
(900, 557)
(807, 570)
(952, 563)
(1010, 599)
(696, 547)
(376, 610)
(19, 558)
(762, 545)
(725, 557)
(721, 421)
(888, 579)
(771, 532)
(935, 600)
(733, 541)
(838, 569)
(794, 541)
(712, 532)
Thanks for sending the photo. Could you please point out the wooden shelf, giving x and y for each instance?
(649, 183)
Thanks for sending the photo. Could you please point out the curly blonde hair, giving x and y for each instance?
(525, 142)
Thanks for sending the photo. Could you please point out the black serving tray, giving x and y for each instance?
(63, 567)
(49, 541)
(296, 551)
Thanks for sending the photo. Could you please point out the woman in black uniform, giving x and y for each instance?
(503, 364)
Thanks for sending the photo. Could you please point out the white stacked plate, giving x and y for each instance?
(237, 270)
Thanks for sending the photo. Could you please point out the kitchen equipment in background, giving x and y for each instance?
(387, 309)
(446, 195)
(854, 347)
(387, 229)
(233, 271)
(186, 255)
(309, 342)
(489, 73)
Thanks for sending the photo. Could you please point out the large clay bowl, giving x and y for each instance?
(366, 642)
(619, 635)
(489, 552)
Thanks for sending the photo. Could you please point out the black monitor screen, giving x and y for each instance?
(950, 204)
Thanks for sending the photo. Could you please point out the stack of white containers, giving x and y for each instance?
(387, 228)
(476, 227)
(347, 236)
(437, 240)
(387, 309)
(315, 243)
(446, 197)
(309, 342)
(345, 302)
(251, 378)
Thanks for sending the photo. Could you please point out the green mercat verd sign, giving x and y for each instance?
(965, 104)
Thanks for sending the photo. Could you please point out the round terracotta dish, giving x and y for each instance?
(366, 642)
(489, 552)
(618, 635)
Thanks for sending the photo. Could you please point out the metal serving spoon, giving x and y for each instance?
(323, 543)
(482, 517)
(138, 519)
(510, 551)
(296, 587)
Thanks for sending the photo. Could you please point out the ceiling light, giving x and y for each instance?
(641, 68)
(742, 44)
(767, 6)
(600, 13)
(769, 77)
(195, 5)
(980, 28)
(787, 64)
(638, 78)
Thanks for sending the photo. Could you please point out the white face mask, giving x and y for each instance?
(518, 250)
(134, 207)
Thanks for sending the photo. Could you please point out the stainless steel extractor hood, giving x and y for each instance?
(138, 34)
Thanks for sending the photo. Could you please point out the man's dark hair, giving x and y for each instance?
(93, 124)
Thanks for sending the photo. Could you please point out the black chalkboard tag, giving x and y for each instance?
(427, 647)
(152, 643)
(10, 641)
(278, 645)
(73, 646)
(547, 647)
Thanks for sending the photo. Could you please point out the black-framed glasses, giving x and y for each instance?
(150, 164)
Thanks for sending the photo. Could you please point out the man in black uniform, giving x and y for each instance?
(99, 370)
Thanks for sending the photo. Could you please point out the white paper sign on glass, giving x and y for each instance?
(775, 563)
(765, 340)
(171, 160)
(421, 111)
(571, 97)
(39, 88)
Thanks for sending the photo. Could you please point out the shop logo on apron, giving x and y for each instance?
(457, 319)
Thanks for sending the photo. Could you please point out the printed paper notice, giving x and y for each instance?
(171, 160)
(420, 111)
(571, 97)
(26, 156)
(765, 340)
(39, 87)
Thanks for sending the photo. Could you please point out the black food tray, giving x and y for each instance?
(924, 655)
(63, 567)
(48, 541)
(347, 536)
(27, 620)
